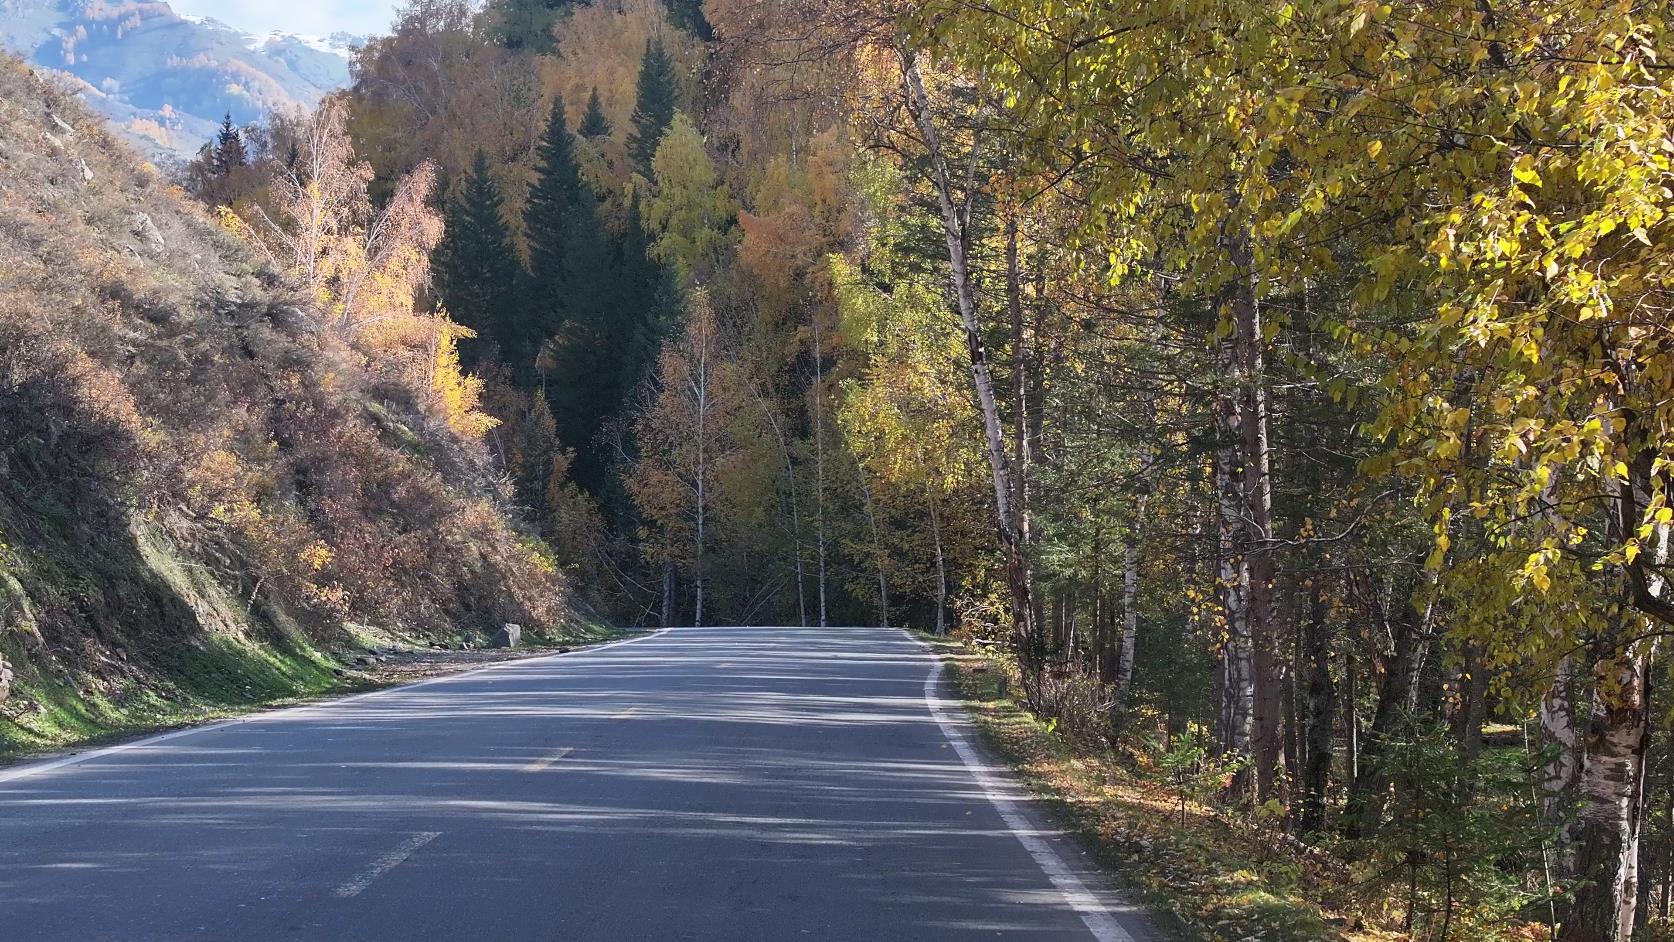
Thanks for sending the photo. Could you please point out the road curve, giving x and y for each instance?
(700, 784)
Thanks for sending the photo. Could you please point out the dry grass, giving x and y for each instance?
(188, 469)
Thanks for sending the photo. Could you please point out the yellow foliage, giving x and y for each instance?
(456, 393)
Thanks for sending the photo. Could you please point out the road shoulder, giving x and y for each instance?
(1212, 880)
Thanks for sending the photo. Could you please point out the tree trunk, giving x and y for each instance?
(1473, 706)
(1612, 789)
(1366, 791)
(955, 219)
(1245, 503)
(1130, 610)
(795, 507)
(1258, 513)
(1351, 717)
(878, 554)
(1237, 659)
(817, 408)
(1316, 770)
(941, 568)
(668, 594)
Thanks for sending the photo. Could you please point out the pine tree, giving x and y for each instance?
(549, 221)
(654, 104)
(594, 123)
(476, 271)
(228, 153)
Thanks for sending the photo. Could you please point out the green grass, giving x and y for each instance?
(219, 677)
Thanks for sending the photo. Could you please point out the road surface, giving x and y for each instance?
(728, 784)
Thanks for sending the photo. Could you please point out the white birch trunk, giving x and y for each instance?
(955, 219)
(1130, 614)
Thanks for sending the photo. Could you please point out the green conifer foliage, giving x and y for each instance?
(549, 220)
(655, 100)
(229, 153)
(476, 270)
(525, 24)
(594, 123)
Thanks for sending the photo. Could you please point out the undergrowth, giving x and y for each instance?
(1212, 879)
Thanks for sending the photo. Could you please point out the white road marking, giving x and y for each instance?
(48, 765)
(540, 764)
(630, 711)
(1085, 903)
(385, 864)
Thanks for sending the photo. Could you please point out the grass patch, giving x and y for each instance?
(1212, 880)
(220, 677)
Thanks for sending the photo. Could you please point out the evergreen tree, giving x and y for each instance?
(688, 15)
(525, 24)
(228, 154)
(654, 103)
(594, 123)
(549, 224)
(650, 298)
(476, 271)
(621, 302)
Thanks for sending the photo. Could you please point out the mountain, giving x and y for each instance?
(164, 79)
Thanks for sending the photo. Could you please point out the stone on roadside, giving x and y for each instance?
(509, 636)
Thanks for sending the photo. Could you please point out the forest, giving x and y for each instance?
(1284, 390)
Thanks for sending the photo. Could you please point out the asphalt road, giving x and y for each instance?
(709, 784)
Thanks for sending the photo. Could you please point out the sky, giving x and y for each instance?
(305, 17)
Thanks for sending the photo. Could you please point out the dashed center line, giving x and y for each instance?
(546, 762)
(386, 863)
(630, 711)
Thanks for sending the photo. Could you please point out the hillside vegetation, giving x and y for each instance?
(201, 491)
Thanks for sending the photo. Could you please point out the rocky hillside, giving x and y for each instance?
(200, 495)
(163, 79)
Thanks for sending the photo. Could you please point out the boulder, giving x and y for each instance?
(5, 680)
(508, 636)
(145, 229)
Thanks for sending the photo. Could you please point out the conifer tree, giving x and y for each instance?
(594, 123)
(649, 297)
(654, 104)
(477, 274)
(228, 153)
(549, 221)
(688, 15)
(525, 24)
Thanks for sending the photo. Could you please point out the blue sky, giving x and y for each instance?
(308, 17)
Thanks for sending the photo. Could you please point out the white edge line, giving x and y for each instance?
(1086, 904)
(49, 765)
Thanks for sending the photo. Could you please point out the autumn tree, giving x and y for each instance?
(362, 269)
(692, 211)
(686, 437)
